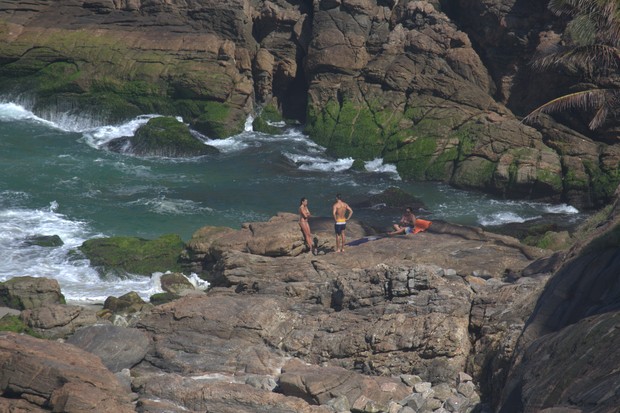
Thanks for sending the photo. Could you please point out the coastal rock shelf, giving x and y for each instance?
(437, 321)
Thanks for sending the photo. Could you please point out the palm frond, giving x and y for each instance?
(588, 99)
(599, 117)
(587, 58)
(592, 50)
(582, 30)
(572, 8)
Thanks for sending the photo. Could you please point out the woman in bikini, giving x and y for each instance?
(304, 214)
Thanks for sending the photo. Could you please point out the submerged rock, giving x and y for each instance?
(45, 241)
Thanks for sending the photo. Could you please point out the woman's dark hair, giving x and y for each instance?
(303, 198)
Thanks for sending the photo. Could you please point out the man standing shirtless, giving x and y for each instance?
(339, 211)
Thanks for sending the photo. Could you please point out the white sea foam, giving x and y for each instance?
(561, 209)
(67, 122)
(250, 139)
(319, 163)
(78, 281)
(166, 206)
(248, 127)
(501, 218)
(377, 165)
(100, 136)
(10, 111)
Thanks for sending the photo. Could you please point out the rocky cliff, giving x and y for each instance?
(435, 87)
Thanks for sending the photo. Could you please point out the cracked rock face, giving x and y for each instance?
(430, 87)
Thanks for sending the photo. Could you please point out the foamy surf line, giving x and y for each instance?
(507, 217)
(66, 122)
(10, 111)
(317, 163)
(167, 206)
(249, 138)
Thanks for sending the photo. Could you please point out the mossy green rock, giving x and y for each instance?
(264, 122)
(134, 255)
(14, 324)
(163, 298)
(45, 241)
(164, 136)
(114, 76)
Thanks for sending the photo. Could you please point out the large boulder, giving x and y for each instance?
(118, 347)
(162, 136)
(57, 320)
(27, 292)
(345, 330)
(47, 375)
(279, 237)
(122, 255)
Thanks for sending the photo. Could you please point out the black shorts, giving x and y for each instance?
(339, 227)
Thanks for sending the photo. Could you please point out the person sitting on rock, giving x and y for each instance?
(406, 224)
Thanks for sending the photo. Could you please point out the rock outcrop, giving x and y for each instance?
(430, 86)
(567, 355)
(40, 375)
(454, 318)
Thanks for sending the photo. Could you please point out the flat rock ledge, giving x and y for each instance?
(396, 324)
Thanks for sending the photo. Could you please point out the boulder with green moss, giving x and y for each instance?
(425, 103)
(14, 323)
(163, 298)
(162, 136)
(123, 255)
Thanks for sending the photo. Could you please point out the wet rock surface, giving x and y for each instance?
(452, 319)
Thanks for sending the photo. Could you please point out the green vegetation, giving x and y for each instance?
(163, 298)
(166, 136)
(122, 255)
(109, 79)
(14, 324)
(267, 117)
(216, 121)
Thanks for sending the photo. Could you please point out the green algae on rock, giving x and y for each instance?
(164, 136)
(122, 255)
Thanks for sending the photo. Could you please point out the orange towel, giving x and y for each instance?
(421, 225)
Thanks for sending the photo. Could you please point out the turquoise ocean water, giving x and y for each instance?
(57, 179)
